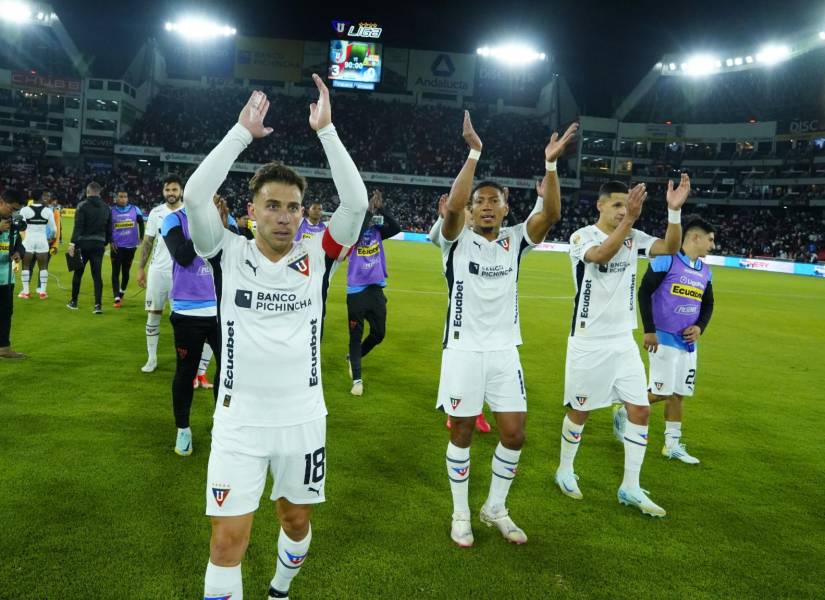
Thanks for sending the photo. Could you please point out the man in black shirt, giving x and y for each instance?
(92, 231)
(11, 248)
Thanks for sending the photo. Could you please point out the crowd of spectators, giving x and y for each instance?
(428, 141)
(794, 233)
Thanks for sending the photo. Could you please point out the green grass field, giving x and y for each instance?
(94, 503)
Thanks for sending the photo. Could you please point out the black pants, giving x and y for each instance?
(371, 304)
(90, 252)
(190, 335)
(121, 264)
(6, 308)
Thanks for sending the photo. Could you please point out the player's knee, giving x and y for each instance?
(228, 545)
(461, 432)
(379, 335)
(638, 414)
(295, 524)
(513, 440)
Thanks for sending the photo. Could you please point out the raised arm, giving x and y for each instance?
(602, 253)
(673, 236)
(539, 224)
(462, 186)
(345, 223)
(205, 224)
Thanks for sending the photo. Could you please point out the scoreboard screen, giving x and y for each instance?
(354, 64)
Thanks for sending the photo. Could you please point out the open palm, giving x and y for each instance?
(320, 113)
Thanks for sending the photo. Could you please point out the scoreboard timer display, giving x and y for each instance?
(354, 64)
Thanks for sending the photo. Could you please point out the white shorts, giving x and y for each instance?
(470, 378)
(672, 371)
(158, 287)
(599, 370)
(36, 244)
(241, 456)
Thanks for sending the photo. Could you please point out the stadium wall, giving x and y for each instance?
(734, 262)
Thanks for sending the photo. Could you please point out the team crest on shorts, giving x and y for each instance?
(301, 265)
(455, 402)
(220, 493)
(504, 243)
(658, 384)
(581, 400)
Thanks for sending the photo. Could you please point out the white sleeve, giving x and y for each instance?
(580, 242)
(345, 223)
(518, 233)
(537, 208)
(50, 219)
(643, 241)
(151, 228)
(435, 232)
(205, 225)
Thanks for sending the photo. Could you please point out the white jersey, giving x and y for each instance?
(161, 259)
(271, 319)
(38, 217)
(482, 278)
(605, 302)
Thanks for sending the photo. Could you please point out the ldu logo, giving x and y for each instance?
(443, 66)
(340, 26)
(301, 265)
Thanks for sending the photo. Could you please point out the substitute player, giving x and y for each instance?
(39, 218)
(676, 303)
(127, 230)
(311, 224)
(270, 414)
(366, 280)
(603, 363)
(480, 360)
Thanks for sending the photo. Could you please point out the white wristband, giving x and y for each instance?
(674, 216)
(475, 154)
(550, 166)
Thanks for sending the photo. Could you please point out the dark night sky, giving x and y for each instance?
(603, 48)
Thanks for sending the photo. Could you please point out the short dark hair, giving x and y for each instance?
(94, 188)
(491, 184)
(278, 172)
(696, 222)
(122, 190)
(612, 187)
(12, 196)
(313, 201)
(172, 178)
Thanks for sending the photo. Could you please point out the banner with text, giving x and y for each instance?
(269, 59)
(441, 73)
(66, 86)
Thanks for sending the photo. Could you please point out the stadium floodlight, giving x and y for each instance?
(822, 35)
(749, 60)
(701, 64)
(729, 62)
(512, 54)
(15, 11)
(738, 61)
(672, 66)
(199, 29)
(773, 54)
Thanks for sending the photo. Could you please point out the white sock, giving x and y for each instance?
(635, 445)
(571, 436)
(291, 555)
(152, 334)
(25, 277)
(673, 433)
(458, 470)
(206, 356)
(44, 279)
(505, 464)
(223, 582)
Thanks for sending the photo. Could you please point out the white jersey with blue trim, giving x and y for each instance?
(605, 301)
(482, 280)
(161, 259)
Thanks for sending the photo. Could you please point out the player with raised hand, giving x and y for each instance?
(603, 362)
(270, 412)
(482, 334)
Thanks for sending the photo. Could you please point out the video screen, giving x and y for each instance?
(354, 64)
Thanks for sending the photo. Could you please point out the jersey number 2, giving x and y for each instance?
(691, 376)
(314, 470)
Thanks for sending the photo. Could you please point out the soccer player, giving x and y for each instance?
(160, 270)
(603, 361)
(366, 280)
(270, 413)
(127, 231)
(311, 224)
(39, 217)
(676, 303)
(194, 319)
(480, 360)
